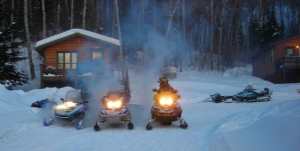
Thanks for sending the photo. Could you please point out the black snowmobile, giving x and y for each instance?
(249, 94)
(114, 110)
(166, 108)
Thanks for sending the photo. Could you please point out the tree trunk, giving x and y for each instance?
(124, 70)
(171, 18)
(12, 15)
(28, 40)
(58, 15)
(84, 11)
(184, 35)
(44, 18)
(72, 14)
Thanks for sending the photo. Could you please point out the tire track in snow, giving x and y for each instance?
(239, 120)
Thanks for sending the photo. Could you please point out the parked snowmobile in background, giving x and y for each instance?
(249, 94)
(72, 110)
(114, 110)
(169, 71)
(166, 108)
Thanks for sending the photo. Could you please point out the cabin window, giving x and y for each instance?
(67, 60)
(96, 55)
(289, 52)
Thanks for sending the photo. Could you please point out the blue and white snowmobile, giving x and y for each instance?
(249, 94)
(70, 110)
(114, 110)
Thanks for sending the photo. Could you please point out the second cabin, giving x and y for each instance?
(281, 62)
(64, 53)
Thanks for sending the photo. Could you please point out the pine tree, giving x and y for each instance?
(268, 31)
(9, 56)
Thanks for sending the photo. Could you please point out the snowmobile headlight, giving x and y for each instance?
(66, 105)
(166, 101)
(114, 104)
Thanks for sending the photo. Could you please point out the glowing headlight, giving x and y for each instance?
(66, 105)
(114, 104)
(166, 101)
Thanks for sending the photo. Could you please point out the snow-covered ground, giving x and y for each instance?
(212, 127)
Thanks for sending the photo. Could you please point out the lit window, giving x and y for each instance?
(96, 55)
(289, 52)
(67, 60)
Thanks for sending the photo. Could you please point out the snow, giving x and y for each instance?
(74, 32)
(238, 71)
(51, 75)
(88, 74)
(263, 126)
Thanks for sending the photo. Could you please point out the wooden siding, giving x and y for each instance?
(84, 48)
(273, 65)
(280, 47)
(81, 45)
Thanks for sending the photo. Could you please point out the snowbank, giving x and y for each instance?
(18, 99)
(239, 71)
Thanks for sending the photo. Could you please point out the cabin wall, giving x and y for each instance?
(280, 48)
(268, 66)
(79, 44)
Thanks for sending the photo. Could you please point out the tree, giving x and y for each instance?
(84, 11)
(28, 40)
(72, 14)
(44, 18)
(267, 31)
(58, 13)
(9, 55)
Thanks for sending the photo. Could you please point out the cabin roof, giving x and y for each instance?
(73, 32)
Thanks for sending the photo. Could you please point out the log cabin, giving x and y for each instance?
(280, 63)
(64, 52)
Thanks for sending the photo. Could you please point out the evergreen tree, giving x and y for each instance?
(10, 55)
(267, 31)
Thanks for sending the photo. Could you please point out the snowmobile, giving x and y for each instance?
(71, 110)
(249, 94)
(114, 110)
(166, 108)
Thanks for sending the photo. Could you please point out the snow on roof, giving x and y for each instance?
(72, 32)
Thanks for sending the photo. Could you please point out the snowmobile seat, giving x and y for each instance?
(40, 104)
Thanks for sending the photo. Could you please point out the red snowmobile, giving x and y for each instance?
(166, 107)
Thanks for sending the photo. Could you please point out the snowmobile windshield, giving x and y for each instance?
(73, 96)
